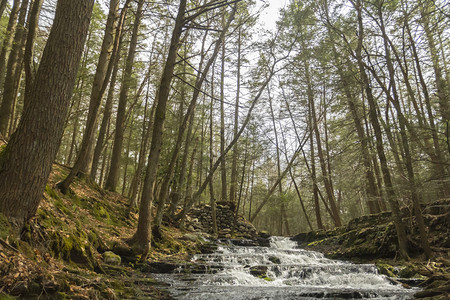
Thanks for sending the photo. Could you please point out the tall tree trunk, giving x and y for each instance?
(372, 193)
(390, 193)
(114, 168)
(107, 111)
(36, 141)
(142, 237)
(212, 200)
(404, 140)
(233, 177)
(315, 127)
(280, 186)
(223, 168)
(441, 85)
(33, 26)
(188, 119)
(83, 162)
(13, 69)
(146, 129)
(8, 39)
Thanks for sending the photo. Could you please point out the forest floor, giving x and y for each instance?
(68, 250)
(74, 248)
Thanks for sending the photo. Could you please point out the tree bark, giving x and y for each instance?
(13, 68)
(83, 162)
(8, 39)
(391, 197)
(114, 168)
(142, 237)
(27, 160)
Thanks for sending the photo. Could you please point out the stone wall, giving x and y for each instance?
(200, 219)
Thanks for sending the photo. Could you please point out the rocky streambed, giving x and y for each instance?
(246, 270)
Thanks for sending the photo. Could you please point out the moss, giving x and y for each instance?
(100, 213)
(5, 227)
(265, 278)
(63, 208)
(51, 192)
(6, 297)
(315, 243)
(407, 272)
(385, 269)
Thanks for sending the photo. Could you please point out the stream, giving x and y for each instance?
(281, 271)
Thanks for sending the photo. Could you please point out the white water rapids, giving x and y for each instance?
(290, 273)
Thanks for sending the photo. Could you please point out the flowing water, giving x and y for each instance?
(285, 272)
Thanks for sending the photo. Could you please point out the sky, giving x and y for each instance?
(271, 14)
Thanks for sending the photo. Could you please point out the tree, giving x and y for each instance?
(141, 239)
(113, 176)
(26, 162)
(83, 162)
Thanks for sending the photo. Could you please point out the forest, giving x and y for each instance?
(340, 111)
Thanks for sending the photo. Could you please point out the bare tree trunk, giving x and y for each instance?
(13, 70)
(404, 140)
(83, 162)
(8, 39)
(36, 141)
(326, 175)
(142, 237)
(391, 197)
(233, 178)
(114, 169)
(223, 169)
(107, 110)
(188, 119)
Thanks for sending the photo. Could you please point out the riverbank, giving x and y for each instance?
(372, 239)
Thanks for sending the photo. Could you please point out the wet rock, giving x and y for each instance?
(274, 260)
(162, 267)
(245, 242)
(259, 271)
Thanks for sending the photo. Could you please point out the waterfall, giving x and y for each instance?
(281, 271)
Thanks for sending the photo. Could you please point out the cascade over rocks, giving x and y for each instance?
(200, 219)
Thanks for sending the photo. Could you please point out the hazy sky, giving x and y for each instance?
(271, 14)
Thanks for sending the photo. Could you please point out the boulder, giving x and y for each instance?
(111, 258)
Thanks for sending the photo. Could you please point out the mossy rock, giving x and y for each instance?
(111, 258)
(407, 272)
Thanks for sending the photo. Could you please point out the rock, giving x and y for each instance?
(275, 260)
(245, 242)
(162, 267)
(190, 237)
(259, 271)
(111, 258)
